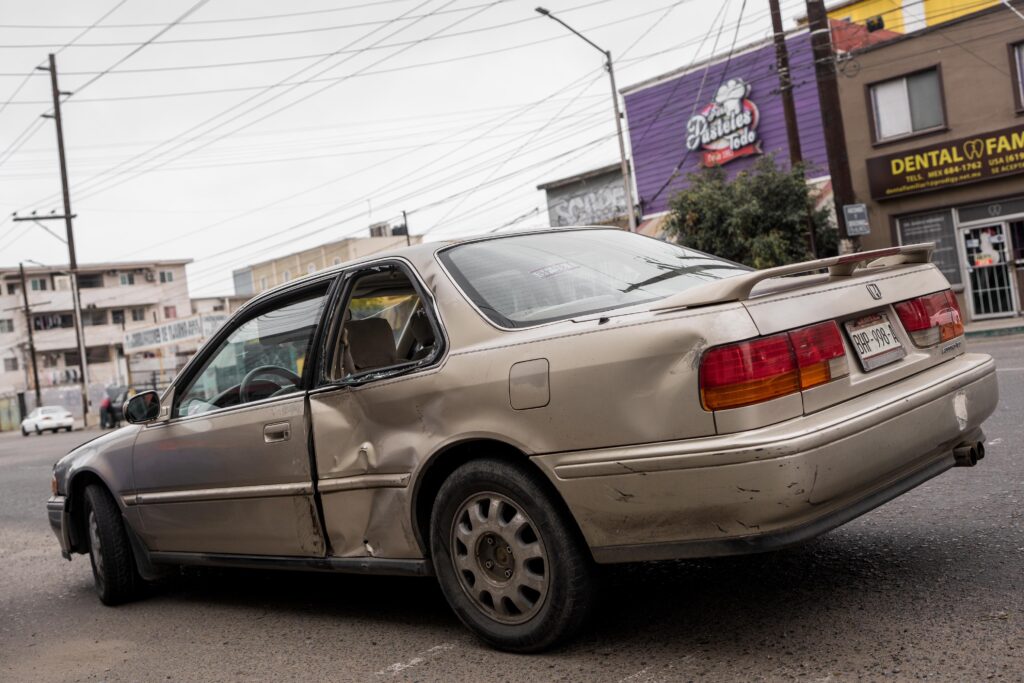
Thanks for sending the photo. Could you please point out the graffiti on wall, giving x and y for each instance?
(596, 201)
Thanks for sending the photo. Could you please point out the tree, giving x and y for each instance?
(758, 219)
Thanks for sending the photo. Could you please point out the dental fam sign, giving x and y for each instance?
(725, 129)
(948, 164)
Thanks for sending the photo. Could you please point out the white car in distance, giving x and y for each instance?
(52, 418)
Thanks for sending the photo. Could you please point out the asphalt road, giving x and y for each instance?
(929, 586)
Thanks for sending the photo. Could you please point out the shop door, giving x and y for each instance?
(991, 289)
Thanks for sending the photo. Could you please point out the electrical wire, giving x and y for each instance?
(96, 181)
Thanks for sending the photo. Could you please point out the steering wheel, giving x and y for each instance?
(285, 373)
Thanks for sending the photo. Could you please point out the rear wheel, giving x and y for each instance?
(24, 432)
(113, 565)
(509, 559)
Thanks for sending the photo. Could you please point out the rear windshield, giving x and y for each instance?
(538, 278)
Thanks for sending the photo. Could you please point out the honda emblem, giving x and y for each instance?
(875, 292)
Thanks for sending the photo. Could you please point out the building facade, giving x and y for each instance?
(935, 138)
(596, 197)
(115, 298)
(726, 112)
(904, 16)
(265, 275)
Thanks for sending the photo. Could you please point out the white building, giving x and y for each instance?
(115, 298)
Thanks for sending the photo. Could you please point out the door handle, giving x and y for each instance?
(277, 431)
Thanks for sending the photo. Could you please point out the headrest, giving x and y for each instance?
(371, 343)
(421, 329)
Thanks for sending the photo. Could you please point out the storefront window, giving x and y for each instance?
(1017, 236)
(934, 227)
(1018, 72)
(907, 105)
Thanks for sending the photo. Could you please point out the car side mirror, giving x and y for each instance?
(144, 407)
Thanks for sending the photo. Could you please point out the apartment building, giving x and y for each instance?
(115, 298)
(265, 275)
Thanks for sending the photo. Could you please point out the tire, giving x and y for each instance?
(520, 577)
(39, 432)
(114, 572)
(24, 432)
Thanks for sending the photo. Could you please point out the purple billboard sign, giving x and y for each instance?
(726, 117)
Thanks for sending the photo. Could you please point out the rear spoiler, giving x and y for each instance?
(738, 288)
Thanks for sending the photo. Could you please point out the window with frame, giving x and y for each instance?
(264, 356)
(38, 284)
(127, 279)
(166, 276)
(385, 327)
(170, 312)
(51, 321)
(138, 315)
(90, 280)
(263, 284)
(6, 325)
(12, 288)
(117, 316)
(10, 364)
(907, 105)
(93, 317)
(1017, 57)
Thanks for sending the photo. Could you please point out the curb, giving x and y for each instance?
(997, 332)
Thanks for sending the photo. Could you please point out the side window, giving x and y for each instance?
(385, 325)
(263, 357)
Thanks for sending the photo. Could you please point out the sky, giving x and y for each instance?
(231, 132)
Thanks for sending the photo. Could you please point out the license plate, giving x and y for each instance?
(875, 341)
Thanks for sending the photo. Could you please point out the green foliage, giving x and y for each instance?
(758, 219)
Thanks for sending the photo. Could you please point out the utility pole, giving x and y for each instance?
(627, 181)
(405, 224)
(832, 118)
(72, 260)
(31, 341)
(796, 156)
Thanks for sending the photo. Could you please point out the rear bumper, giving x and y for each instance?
(60, 522)
(779, 485)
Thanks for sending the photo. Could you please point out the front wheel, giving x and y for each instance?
(24, 432)
(509, 559)
(110, 553)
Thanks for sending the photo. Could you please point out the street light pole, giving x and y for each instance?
(627, 182)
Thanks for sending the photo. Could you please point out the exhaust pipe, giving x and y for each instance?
(969, 453)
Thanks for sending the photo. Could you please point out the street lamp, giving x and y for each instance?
(626, 182)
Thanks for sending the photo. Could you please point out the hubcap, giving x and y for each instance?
(499, 558)
(94, 546)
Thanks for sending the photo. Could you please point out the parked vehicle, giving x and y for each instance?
(112, 407)
(47, 418)
(505, 412)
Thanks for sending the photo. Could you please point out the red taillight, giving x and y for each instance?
(759, 370)
(748, 372)
(820, 354)
(931, 319)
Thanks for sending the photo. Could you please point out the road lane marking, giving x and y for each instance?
(420, 658)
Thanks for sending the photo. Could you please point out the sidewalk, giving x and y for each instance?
(994, 328)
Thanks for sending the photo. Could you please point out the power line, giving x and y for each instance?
(725, 70)
(97, 179)
(316, 29)
(499, 120)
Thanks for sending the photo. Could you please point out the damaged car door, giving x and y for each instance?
(368, 410)
(228, 470)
